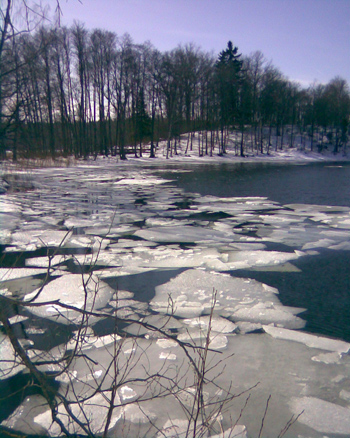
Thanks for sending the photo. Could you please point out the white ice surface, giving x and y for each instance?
(182, 234)
(38, 238)
(268, 313)
(311, 341)
(93, 412)
(46, 262)
(10, 363)
(70, 290)
(13, 273)
(191, 295)
(321, 415)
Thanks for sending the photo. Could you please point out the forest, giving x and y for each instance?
(76, 92)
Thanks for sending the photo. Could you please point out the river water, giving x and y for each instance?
(323, 284)
(181, 230)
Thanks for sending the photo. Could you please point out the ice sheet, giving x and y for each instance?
(323, 416)
(72, 290)
(311, 341)
(10, 363)
(182, 234)
(232, 294)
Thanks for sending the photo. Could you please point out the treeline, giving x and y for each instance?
(83, 93)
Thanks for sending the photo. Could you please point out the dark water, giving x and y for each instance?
(323, 285)
(325, 184)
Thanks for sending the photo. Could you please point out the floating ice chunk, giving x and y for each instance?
(70, 290)
(284, 267)
(75, 222)
(10, 363)
(87, 342)
(167, 356)
(181, 310)
(93, 242)
(166, 343)
(327, 358)
(46, 261)
(280, 219)
(9, 206)
(141, 181)
(124, 295)
(127, 394)
(238, 431)
(111, 232)
(320, 415)
(216, 341)
(202, 285)
(248, 327)
(67, 376)
(127, 243)
(18, 318)
(264, 313)
(247, 259)
(40, 238)
(182, 234)
(322, 243)
(343, 246)
(93, 412)
(5, 236)
(162, 322)
(247, 246)
(5, 292)
(10, 274)
(311, 341)
(136, 414)
(179, 428)
(217, 324)
(21, 419)
(345, 395)
(121, 303)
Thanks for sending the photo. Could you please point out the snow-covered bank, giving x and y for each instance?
(183, 154)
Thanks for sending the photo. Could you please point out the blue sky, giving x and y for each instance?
(306, 39)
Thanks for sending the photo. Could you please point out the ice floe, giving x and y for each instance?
(92, 413)
(321, 415)
(182, 234)
(81, 292)
(268, 313)
(177, 296)
(10, 363)
(311, 341)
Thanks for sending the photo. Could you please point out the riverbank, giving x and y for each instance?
(183, 154)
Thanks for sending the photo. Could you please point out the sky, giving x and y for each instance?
(308, 40)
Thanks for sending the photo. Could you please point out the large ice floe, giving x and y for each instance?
(134, 365)
(66, 298)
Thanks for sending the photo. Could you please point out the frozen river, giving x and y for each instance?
(272, 240)
(323, 283)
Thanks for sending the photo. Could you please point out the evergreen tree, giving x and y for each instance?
(228, 76)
